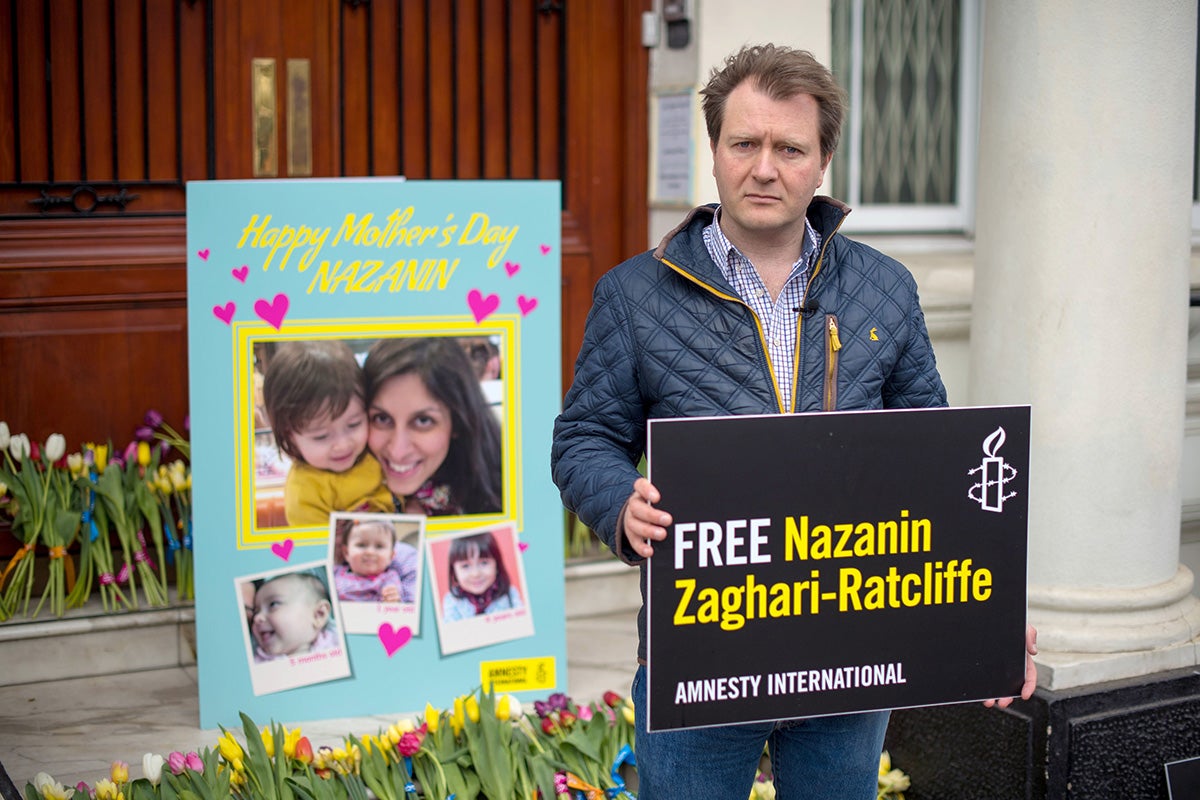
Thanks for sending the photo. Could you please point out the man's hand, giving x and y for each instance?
(1030, 671)
(643, 523)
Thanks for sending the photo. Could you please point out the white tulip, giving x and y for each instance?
(514, 708)
(152, 765)
(19, 446)
(55, 447)
(4, 435)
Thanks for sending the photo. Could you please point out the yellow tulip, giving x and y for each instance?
(405, 726)
(229, 747)
(456, 717)
(432, 718)
(100, 457)
(3, 488)
(472, 708)
(119, 772)
(290, 738)
(268, 742)
(106, 790)
(627, 713)
(143, 454)
(502, 707)
(75, 464)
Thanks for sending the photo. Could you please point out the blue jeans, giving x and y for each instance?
(830, 758)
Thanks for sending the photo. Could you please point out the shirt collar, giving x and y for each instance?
(720, 248)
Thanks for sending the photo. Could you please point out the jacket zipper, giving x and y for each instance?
(833, 344)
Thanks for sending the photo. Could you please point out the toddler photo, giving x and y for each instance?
(376, 562)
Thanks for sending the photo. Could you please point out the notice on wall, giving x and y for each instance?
(374, 373)
(832, 563)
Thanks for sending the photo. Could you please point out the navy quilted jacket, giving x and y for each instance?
(668, 337)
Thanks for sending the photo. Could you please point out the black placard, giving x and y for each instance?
(832, 563)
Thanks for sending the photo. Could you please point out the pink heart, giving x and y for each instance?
(511, 268)
(482, 306)
(273, 312)
(203, 254)
(526, 304)
(545, 249)
(522, 546)
(283, 549)
(393, 639)
(225, 312)
(240, 273)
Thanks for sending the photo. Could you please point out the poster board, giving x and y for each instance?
(831, 563)
(461, 276)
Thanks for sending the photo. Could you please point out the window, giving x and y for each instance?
(906, 161)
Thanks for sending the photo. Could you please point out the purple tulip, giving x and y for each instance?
(144, 433)
(153, 418)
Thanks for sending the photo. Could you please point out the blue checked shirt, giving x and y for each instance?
(778, 318)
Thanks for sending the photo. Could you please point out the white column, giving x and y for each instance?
(1080, 309)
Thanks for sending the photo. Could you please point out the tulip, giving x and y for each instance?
(627, 713)
(456, 717)
(193, 762)
(56, 447)
(130, 452)
(502, 707)
(229, 747)
(612, 699)
(75, 464)
(101, 457)
(143, 433)
(515, 712)
(567, 719)
(410, 743)
(83, 787)
(268, 742)
(106, 790)
(5, 436)
(432, 718)
(42, 779)
(290, 738)
(3, 488)
(143, 454)
(585, 713)
(119, 772)
(176, 762)
(153, 419)
(472, 708)
(18, 446)
(152, 765)
(549, 726)
(304, 751)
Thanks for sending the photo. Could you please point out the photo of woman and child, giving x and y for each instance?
(292, 636)
(408, 431)
(480, 579)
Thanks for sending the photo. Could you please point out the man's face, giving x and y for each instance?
(767, 162)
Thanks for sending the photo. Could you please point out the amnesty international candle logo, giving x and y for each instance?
(994, 474)
(830, 563)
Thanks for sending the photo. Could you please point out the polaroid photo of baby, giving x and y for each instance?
(377, 566)
(290, 628)
(478, 582)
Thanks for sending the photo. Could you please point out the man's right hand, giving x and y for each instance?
(643, 522)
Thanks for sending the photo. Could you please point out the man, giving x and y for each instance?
(754, 306)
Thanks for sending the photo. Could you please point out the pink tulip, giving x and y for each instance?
(193, 762)
(176, 762)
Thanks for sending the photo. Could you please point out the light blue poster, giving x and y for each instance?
(374, 368)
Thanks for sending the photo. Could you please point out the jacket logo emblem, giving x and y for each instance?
(874, 337)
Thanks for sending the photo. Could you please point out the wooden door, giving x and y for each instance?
(108, 108)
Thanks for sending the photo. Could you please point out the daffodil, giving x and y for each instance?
(152, 765)
(56, 447)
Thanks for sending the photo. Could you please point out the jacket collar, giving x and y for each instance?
(684, 246)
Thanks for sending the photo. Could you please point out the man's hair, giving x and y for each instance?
(781, 73)
(304, 380)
